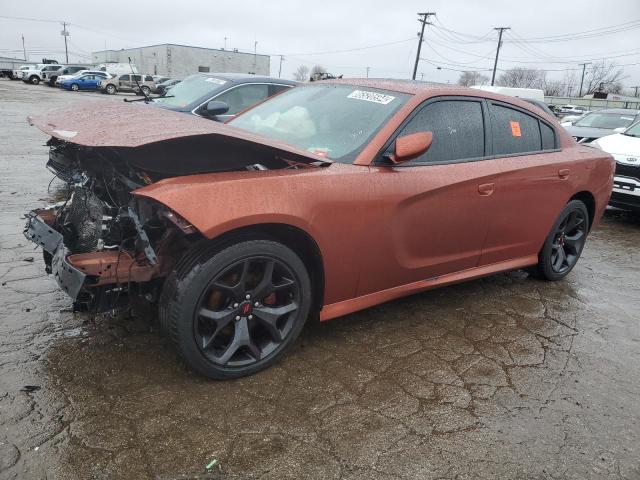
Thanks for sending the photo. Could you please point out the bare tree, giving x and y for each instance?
(553, 88)
(570, 81)
(521, 77)
(603, 77)
(468, 79)
(301, 74)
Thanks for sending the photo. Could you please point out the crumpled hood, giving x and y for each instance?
(131, 125)
(588, 132)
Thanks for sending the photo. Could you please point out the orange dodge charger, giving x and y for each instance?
(324, 200)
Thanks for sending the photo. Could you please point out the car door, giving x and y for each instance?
(533, 183)
(124, 82)
(90, 82)
(434, 209)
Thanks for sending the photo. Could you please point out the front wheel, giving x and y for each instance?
(235, 311)
(34, 80)
(145, 90)
(110, 89)
(564, 244)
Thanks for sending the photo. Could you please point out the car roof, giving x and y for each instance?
(247, 78)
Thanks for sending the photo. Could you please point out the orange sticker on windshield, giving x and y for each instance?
(515, 129)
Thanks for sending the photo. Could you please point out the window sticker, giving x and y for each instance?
(217, 81)
(515, 129)
(374, 97)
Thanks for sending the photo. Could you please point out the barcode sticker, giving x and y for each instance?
(374, 97)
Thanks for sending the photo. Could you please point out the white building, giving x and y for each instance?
(178, 61)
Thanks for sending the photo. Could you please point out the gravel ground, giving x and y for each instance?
(505, 377)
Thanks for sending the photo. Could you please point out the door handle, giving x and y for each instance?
(564, 173)
(486, 189)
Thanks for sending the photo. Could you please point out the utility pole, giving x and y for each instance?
(225, 43)
(495, 63)
(423, 20)
(255, 56)
(368, 68)
(65, 34)
(584, 66)
(24, 50)
(280, 69)
(636, 90)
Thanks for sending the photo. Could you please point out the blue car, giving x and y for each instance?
(83, 82)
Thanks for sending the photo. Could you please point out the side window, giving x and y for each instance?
(243, 96)
(148, 78)
(513, 131)
(548, 137)
(124, 78)
(273, 89)
(457, 127)
(137, 77)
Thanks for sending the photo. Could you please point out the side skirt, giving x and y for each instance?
(360, 303)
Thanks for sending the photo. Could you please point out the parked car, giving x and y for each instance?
(35, 74)
(571, 110)
(97, 73)
(625, 148)
(159, 78)
(601, 123)
(220, 96)
(86, 81)
(51, 76)
(541, 105)
(162, 88)
(128, 83)
(326, 199)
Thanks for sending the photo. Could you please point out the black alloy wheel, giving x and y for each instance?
(564, 244)
(234, 312)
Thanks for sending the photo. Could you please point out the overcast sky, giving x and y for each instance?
(297, 29)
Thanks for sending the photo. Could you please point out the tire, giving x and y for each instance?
(227, 315)
(110, 89)
(34, 80)
(145, 90)
(75, 87)
(52, 81)
(564, 244)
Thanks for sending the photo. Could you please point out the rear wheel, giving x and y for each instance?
(235, 311)
(565, 242)
(75, 87)
(34, 80)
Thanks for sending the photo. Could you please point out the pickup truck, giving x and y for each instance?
(34, 74)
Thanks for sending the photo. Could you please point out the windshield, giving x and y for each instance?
(633, 131)
(609, 121)
(334, 121)
(191, 89)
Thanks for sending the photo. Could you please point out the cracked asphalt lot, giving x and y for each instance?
(505, 377)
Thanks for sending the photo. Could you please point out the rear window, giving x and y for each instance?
(514, 131)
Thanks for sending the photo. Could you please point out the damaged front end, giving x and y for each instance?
(102, 242)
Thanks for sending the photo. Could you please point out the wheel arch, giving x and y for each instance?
(589, 200)
(293, 237)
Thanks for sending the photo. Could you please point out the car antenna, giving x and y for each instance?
(146, 97)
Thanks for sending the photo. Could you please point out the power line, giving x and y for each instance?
(367, 47)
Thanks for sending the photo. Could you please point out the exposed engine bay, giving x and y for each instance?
(105, 245)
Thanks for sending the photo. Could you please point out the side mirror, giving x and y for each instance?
(619, 129)
(215, 108)
(410, 146)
